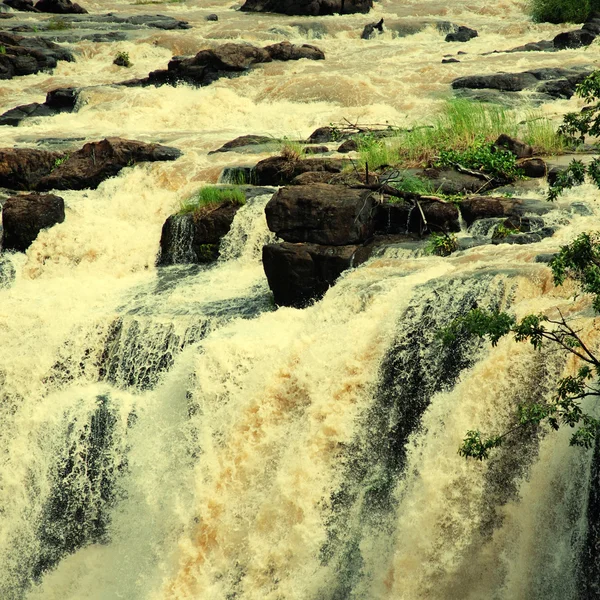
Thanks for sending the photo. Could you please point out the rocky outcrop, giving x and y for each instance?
(227, 60)
(485, 207)
(195, 237)
(23, 217)
(24, 5)
(60, 7)
(308, 7)
(299, 274)
(553, 82)
(243, 142)
(371, 30)
(322, 214)
(57, 101)
(98, 161)
(517, 147)
(573, 39)
(279, 170)
(25, 56)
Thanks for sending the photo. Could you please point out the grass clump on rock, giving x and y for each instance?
(562, 11)
(210, 197)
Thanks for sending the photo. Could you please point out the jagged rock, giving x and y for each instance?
(573, 39)
(322, 214)
(462, 34)
(22, 168)
(23, 217)
(372, 29)
(517, 147)
(348, 146)
(278, 170)
(227, 60)
(403, 217)
(533, 167)
(243, 142)
(195, 238)
(308, 7)
(299, 274)
(287, 51)
(98, 161)
(24, 5)
(62, 99)
(61, 7)
(323, 135)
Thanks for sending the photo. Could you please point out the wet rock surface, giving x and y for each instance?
(24, 216)
(279, 170)
(57, 101)
(61, 7)
(308, 7)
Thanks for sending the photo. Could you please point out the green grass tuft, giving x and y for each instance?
(210, 197)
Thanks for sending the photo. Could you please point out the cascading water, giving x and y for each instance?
(166, 434)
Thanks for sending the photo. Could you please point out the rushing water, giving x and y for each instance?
(165, 434)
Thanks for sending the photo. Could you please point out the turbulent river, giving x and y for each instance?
(166, 434)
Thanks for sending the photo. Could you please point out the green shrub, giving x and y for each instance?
(442, 244)
(562, 11)
(208, 198)
(122, 60)
(58, 24)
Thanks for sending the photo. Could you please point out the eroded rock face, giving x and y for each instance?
(299, 274)
(61, 7)
(24, 5)
(98, 161)
(485, 207)
(308, 7)
(402, 217)
(322, 214)
(23, 217)
(22, 168)
(195, 238)
(287, 51)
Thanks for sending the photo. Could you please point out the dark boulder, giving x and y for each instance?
(23, 217)
(323, 135)
(533, 167)
(299, 274)
(98, 161)
(212, 17)
(446, 61)
(404, 217)
(485, 207)
(348, 146)
(517, 147)
(24, 5)
(462, 34)
(61, 7)
(315, 150)
(322, 214)
(195, 237)
(311, 177)
(287, 51)
(573, 39)
(372, 29)
(279, 170)
(62, 99)
(308, 7)
(506, 82)
(449, 181)
(22, 168)
(14, 116)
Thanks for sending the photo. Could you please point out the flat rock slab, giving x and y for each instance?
(278, 170)
(322, 214)
(308, 7)
(484, 207)
(551, 82)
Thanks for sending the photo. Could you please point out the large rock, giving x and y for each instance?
(462, 34)
(287, 51)
(24, 5)
(308, 7)
(299, 274)
(23, 217)
(404, 217)
(573, 39)
(243, 141)
(22, 168)
(98, 161)
(279, 170)
(485, 207)
(60, 7)
(57, 101)
(195, 238)
(322, 214)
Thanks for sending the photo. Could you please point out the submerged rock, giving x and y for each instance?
(57, 101)
(308, 7)
(98, 161)
(372, 29)
(24, 216)
(462, 34)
